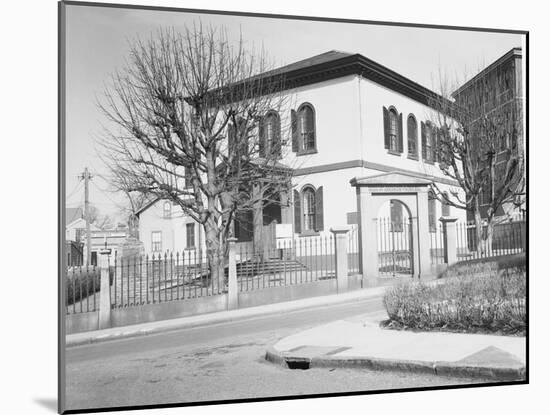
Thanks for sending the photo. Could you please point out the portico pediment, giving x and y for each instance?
(390, 179)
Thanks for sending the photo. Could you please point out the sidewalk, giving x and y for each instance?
(361, 343)
(219, 317)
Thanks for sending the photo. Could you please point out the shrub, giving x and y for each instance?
(82, 283)
(490, 303)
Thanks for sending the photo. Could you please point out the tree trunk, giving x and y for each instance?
(215, 257)
(480, 241)
(489, 237)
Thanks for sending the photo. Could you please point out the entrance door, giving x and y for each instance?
(395, 245)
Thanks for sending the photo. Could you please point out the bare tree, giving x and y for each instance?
(189, 110)
(477, 131)
(135, 200)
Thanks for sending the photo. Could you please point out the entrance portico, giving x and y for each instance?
(372, 192)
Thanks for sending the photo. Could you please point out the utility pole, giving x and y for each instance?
(86, 176)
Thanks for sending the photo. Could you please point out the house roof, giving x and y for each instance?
(511, 54)
(336, 64)
(72, 214)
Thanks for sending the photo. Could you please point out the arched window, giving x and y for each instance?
(308, 210)
(412, 137)
(393, 131)
(428, 142)
(270, 133)
(432, 211)
(308, 198)
(394, 146)
(306, 127)
(167, 210)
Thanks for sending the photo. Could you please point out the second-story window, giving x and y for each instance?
(428, 141)
(393, 131)
(412, 137)
(304, 129)
(270, 135)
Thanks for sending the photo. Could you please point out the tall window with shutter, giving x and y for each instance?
(393, 130)
(303, 130)
(270, 135)
(308, 203)
(308, 210)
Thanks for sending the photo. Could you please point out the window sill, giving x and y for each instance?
(412, 157)
(306, 152)
(190, 249)
(394, 153)
(429, 162)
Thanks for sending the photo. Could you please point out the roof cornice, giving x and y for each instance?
(357, 64)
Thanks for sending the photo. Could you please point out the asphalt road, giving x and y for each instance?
(219, 362)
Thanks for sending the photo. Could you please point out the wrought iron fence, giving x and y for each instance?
(353, 250)
(165, 277)
(508, 238)
(437, 245)
(297, 261)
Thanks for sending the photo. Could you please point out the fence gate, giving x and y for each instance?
(395, 247)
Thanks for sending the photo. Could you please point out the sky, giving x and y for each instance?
(97, 42)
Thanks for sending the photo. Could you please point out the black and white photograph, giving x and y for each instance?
(258, 207)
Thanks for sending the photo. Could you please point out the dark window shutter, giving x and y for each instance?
(297, 212)
(386, 128)
(400, 132)
(423, 135)
(319, 221)
(261, 137)
(277, 142)
(294, 125)
(436, 135)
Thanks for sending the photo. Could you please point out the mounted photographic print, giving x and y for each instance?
(260, 207)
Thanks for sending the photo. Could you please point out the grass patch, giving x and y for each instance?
(486, 303)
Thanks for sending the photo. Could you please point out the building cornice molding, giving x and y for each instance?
(357, 64)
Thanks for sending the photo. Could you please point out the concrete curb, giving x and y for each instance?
(204, 320)
(486, 372)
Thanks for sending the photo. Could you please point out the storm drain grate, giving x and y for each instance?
(300, 364)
